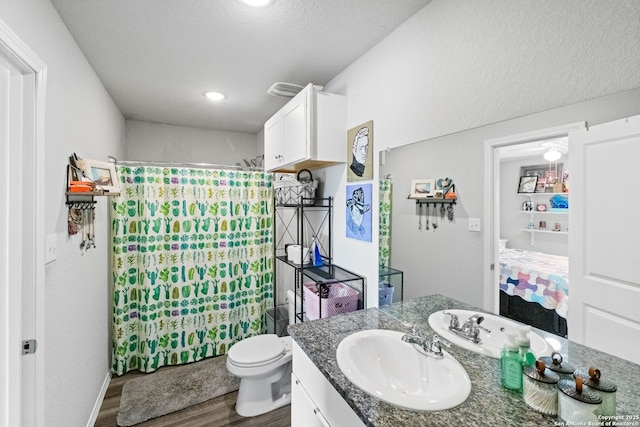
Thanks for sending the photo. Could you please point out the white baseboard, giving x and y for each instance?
(98, 404)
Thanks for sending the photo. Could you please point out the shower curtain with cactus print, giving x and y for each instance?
(384, 244)
(192, 263)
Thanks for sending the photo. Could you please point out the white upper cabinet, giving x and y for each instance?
(309, 132)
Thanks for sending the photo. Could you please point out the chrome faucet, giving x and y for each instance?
(431, 348)
(470, 330)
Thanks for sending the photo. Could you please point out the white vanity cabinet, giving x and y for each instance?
(314, 401)
(309, 132)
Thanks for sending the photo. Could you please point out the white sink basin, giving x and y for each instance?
(491, 342)
(384, 366)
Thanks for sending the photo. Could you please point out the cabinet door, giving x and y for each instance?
(304, 412)
(330, 404)
(287, 134)
(273, 141)
(295, 126)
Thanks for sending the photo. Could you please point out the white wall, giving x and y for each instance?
(456, 66)
(169, 143)
(81, 118)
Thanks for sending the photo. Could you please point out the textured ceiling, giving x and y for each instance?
(156, 58)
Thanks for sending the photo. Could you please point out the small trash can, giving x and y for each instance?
(385, 293)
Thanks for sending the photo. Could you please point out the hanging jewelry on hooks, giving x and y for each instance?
(426, 217)
(435, 218)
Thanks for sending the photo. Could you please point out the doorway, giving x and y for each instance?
(495, 149)
(22, 102)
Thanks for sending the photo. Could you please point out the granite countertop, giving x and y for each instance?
(488, 403)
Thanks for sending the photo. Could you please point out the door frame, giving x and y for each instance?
(22, 242)
(491, 294)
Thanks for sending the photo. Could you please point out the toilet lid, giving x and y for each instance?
(260, 349)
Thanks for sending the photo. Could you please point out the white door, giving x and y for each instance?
(22, 81)
(604, 240)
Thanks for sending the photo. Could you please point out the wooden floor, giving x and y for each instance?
(218, 412)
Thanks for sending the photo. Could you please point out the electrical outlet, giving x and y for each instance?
(474, 225)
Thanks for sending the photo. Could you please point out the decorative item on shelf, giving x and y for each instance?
(543, 225)
(527, 184)
(451, 193)
(444, 184)
(547, 176)
(290, 190)
(102, 174)
(438, 194)
(81, 187)
(527, 206)
(541, 207)
(422, 188)
(559, 202)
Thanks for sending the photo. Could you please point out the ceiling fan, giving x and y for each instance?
(554, 149)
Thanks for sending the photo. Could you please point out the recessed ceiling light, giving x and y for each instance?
(214, 96)
(257, 3)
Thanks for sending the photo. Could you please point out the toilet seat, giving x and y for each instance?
(257, 351)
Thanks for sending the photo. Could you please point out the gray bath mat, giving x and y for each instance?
(172, 389)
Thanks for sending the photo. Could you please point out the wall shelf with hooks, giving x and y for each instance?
(430, 201)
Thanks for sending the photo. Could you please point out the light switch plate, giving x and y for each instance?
(474, 224)
(50, 248)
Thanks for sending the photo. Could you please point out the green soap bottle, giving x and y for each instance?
(511, 365)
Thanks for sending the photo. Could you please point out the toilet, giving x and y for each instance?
(263, 364)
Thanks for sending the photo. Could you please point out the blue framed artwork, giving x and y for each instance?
(358, 211)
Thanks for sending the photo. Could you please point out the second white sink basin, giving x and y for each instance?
(382, 365)
(491, 342)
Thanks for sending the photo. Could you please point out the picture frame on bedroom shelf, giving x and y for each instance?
(527, 184)
(547, 175)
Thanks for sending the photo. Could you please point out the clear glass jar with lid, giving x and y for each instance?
(560, 367)
(540, 388)
(605, 389)
(577, 405)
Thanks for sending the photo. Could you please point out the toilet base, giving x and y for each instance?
(259, 396)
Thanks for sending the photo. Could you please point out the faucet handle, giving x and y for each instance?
(436, 344)
(454, 322)
(414, 328)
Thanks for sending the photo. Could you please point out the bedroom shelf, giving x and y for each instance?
(532, 211)
(546, 212)
(544, 231)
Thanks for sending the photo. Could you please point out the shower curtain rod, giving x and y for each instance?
(173, 164)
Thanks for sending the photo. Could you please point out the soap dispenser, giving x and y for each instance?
(524, 344)
(511, 365)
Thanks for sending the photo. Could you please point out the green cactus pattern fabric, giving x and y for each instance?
(192, 263)
(384, 244)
